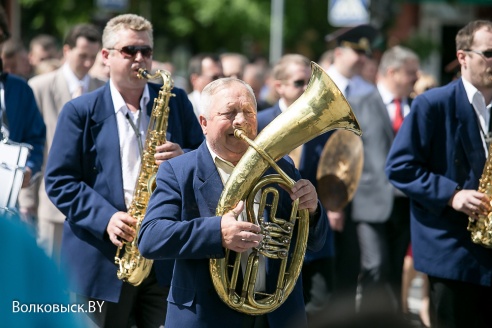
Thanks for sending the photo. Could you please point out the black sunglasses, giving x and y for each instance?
(131, 51)
(486, 54)
(300, 83)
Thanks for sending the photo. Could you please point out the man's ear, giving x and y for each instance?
(203, 124)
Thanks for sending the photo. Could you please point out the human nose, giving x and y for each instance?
(138, 56)
(239, 119)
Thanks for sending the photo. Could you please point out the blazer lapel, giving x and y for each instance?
(469, 131)
(106, 140)
(208, 183)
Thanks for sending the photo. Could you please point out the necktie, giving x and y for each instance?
(347, 91)
(398, 120)
(78, 92)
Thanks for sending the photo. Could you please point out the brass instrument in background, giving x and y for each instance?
(339, 169)
(321, 108)
(481, 229)
(133, 267)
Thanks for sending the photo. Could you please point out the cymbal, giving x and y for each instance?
(339, 169)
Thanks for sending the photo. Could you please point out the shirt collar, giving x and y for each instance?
(472, 92)
(341, 81)
(386, 95)
(72, 80)
(120, 104)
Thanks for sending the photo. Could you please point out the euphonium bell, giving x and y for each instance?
(321, 108)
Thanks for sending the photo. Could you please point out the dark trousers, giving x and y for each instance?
(143, 306)
(456, 304)
(317, 282)
(347, 264)
(383, 247)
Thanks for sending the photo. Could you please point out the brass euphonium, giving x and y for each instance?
(133, 267)
(321, 108)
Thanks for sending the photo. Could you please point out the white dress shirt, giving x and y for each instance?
(129, 145)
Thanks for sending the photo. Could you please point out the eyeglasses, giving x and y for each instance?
(131, 51)
(300, 83)
(485, 54)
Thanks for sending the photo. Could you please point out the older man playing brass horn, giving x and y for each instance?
(181, 221)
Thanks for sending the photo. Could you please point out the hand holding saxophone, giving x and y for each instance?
(471, 202)
(167, 151)
(239, 236)
(121, 228)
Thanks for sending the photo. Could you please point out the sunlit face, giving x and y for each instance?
(81, 57)
(295, 85)
(231, 108)
(475, 67)
(123, 69)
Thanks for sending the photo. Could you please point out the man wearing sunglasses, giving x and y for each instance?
(291, 76)
(92, 170)
(437, 159)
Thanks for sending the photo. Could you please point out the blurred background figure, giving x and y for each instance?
(233, 64)
(48, 65)
(203, 69)
(326, 59)
(352, 46)
(254, 75)
(42, 47)
(380, 212)
(15, 59)
(99, 70)
(425, 82)
(370, 70)
(52, 90)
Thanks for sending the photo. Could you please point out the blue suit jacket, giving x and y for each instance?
(308, 167)
(438, 148)
(181, 224)
(25, 122)
(84, 180)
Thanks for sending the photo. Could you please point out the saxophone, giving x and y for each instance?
(481, 229)
(132, 266)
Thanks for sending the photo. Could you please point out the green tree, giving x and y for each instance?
(196, 25)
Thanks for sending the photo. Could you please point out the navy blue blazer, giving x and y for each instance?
(84, 181)
(308, 167)
(25, 122)
(180, 223)
(438, 148)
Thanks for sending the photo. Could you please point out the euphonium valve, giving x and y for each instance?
(132, 266)
(321, 108)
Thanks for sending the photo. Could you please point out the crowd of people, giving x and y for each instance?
(85, 111)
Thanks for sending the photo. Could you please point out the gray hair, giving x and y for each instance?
(122, 22)
(395, 57)
(214, 87)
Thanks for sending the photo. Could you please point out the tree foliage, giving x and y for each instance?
(194, 25)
